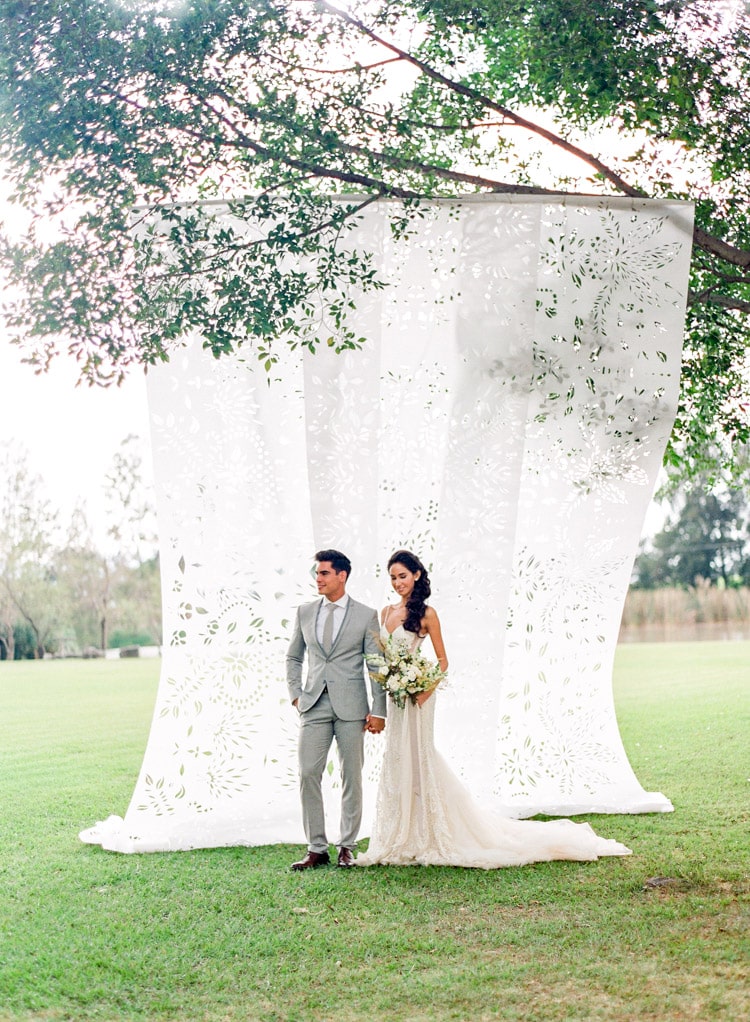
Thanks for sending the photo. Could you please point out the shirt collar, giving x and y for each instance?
(342, 602)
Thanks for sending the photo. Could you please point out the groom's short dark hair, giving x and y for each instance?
(338, 561)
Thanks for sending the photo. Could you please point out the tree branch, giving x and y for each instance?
(402, 163)
(394, 162)
(728, 253)
(214, 264)
(725, 301)
(478, 97)
(334, 70)
(243, 141)
(716, 246)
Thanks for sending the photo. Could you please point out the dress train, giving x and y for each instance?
(425, 815)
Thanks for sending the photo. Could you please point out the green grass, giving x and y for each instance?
(231, 934)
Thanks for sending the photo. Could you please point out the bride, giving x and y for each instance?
(424, 815)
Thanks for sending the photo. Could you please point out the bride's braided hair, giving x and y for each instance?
(416, 605)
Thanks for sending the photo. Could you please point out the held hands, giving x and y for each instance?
(374, 724)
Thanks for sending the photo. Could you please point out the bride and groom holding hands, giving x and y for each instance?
(424, 815)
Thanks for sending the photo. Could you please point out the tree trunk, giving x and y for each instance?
(7, 646)
(38, 645)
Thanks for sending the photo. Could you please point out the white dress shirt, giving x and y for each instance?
(338, 616)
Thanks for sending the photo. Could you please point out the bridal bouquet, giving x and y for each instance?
(403, 672)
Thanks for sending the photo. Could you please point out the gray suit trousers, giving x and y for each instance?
(318, 727)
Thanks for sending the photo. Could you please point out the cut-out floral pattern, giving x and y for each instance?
(505, 418)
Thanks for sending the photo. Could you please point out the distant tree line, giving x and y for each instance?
(60, 592)
(706, 539)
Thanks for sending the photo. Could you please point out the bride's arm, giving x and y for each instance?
(431, 623)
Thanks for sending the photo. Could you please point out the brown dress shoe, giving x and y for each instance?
(312, 860)
(346, 859)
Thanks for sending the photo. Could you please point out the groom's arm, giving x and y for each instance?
(295, 658)
(372, 649)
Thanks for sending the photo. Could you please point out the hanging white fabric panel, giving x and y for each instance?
(506, 420)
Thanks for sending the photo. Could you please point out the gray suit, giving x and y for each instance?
(333, 703)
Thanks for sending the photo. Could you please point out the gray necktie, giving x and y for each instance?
(328, 628)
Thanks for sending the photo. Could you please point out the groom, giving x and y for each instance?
(336, 633)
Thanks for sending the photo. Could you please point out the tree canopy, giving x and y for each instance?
(111, 110)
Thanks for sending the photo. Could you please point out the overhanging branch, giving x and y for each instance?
(464, 90)
(716, 246)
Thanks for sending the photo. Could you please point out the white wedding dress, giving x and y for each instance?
(425, 816)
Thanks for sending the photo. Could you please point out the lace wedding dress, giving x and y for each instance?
(425, 816)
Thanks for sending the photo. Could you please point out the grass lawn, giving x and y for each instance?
(231, 934)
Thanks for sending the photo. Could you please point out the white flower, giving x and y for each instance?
(404, 672)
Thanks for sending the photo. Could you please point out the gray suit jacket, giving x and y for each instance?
(342, 670)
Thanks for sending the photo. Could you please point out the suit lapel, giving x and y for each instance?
(315, 611)
(344, 623)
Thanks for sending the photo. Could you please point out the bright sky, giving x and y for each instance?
(70, 433)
